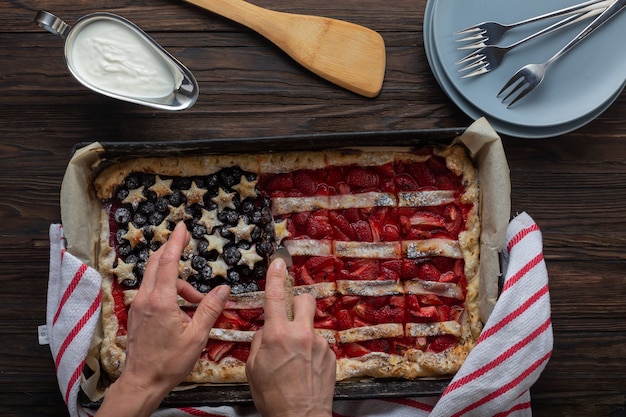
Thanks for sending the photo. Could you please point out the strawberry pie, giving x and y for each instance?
(386, 241)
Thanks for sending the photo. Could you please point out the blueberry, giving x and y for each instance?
(231, 255)
(176, 198)
(156, 218)
(148, 180)
(198, 231)
(225, 233)
(147, 207)
(233, 276)
(247, 206)
(140, 269)
(118, 236)
(132, 259)
(198, 263)
(144, 255)
(124, 250)
(206, 273)
(122, 215)
(212, 182)
(132, 181)
(252, 287)
(264, 249)
(139, 219)
(259, 271)
(162, 205)
(256, 217)
(122, 194)
(237, 289)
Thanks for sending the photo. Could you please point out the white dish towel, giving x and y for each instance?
(514, 347)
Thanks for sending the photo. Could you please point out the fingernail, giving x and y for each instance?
(222, 292)
(278, 264)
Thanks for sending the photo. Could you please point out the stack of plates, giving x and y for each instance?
(577, 88)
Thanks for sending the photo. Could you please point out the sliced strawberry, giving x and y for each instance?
(405, 182)
(241, 351)
(305, 181)
(363, 231)
(329, 322)
(377, 345)
(251, 314)
(410, 268)
(389, 274)
(326, 303)
(400, 348)
(218, 349)
(359, 177)
(390, 233)
(301, 219)
(364, 269)
(354, 350)
(428, 272)
(422, 175)
(282, 182)
(318, 227)
(341, 226)
(441, 343)
(426, 314)
(352, 215)
(229, 319)
(350, 301)
(429, 300)
(344, 320)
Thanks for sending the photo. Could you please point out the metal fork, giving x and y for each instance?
(530, 76)
(489, 57)
(494, 31)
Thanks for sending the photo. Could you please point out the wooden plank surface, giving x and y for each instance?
(574, 186)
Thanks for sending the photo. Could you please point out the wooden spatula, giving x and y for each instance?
(344, 53)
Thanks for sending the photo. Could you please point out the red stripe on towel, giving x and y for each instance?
(525, 269)
(521, 235)
(411, 403)
(69, 290)
(515, 382)
(500, 358)
(512, 315)
(73, 379)
(81, 323)
(516, 407)
(198, 412)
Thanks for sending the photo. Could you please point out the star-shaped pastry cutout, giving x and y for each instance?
(280, 229)
(191, 249)
(161, 233)
(185, 270)
(177, 214)
(224, 200)
(135, 197)
(249, 257)
(194, 194)
(161, 187)
(134, 235)
(209, 219)
(216, 242)
(246, 188)
(242, 231)
(219, 267)
(123, 271)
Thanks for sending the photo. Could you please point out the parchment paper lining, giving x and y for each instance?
(80, 216)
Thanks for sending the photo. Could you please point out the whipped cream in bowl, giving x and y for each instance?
(112, 56)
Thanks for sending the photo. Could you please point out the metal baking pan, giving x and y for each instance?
(234, 394)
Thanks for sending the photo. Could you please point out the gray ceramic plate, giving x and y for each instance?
(577, 88)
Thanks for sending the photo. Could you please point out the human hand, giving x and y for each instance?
(163, 341)
(291, 369)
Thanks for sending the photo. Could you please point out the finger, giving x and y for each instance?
(304, 310)
(170, 257)
(275, 308)
(255, 344)
(210, 309)
(149, 277)
(188, 292)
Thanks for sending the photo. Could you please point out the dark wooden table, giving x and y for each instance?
(574, 185)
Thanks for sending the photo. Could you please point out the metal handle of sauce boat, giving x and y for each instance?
(51, 23)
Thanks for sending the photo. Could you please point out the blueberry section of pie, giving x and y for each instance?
(230, 223)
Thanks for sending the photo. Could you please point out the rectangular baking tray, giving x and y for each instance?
(239, 394)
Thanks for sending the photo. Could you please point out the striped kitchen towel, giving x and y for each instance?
(513, 349)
